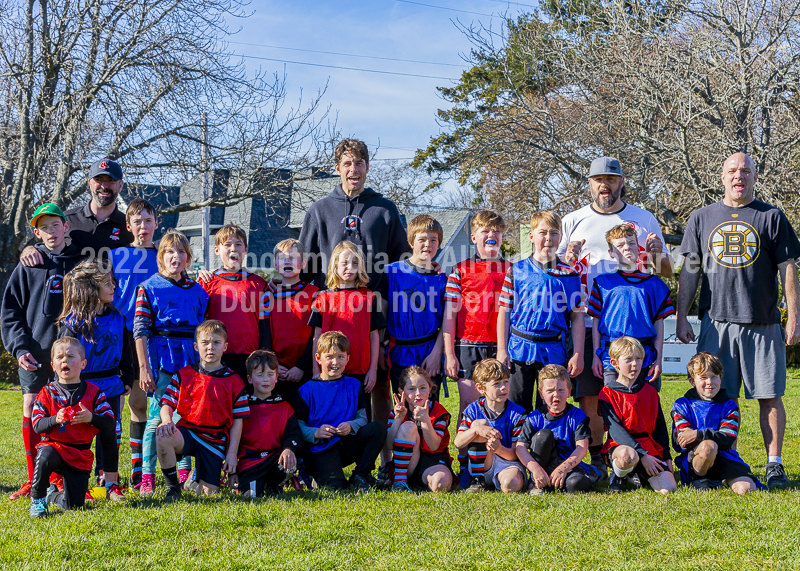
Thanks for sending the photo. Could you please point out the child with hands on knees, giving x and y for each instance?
(419, 435)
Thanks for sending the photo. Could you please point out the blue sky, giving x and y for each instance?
(397, 111)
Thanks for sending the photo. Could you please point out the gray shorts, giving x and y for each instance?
(498, 465)
(751, 353)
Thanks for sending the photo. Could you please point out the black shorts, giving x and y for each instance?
(727, 469)
(523, 381)
(586, 384)
(428, 461)
(265, 474)
(34, 381)
(471, 355)
(396, 371)
(208, 465)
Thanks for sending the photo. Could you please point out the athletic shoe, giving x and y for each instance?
(192, 485)
(476, 484)
(616, 484)
(52, 491)
(173, 494)
(384, 479)
(776, 476)
(114, 493)
(703, 484)
(148, 486)
(601, 467)
(360, 483)
(635, 480)
(39, 507)
(272, 491)
(401, 486)
(88, 498)
(534, 491)
(58, 481)
(23, 492)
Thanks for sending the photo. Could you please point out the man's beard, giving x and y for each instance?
(607, 201)
(104, 201)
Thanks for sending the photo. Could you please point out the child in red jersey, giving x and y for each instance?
(638, 442)
(348, 306)
(211, 401)
(292, 336)
(68, 414)
(419, 435)
(237, 298)
(271, 435)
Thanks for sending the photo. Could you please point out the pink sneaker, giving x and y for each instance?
(183, 475)
(148, 486)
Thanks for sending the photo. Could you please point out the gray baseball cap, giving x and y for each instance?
(605, 165)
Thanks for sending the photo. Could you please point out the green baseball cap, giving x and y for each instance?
(47, 209)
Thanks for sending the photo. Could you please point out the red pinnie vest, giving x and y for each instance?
(73, 443)
(348, 311)
(289, 325)
(638, 413)
(435, 412)
(206, 401)
(237, 303)
(481, 283)
(263, 430)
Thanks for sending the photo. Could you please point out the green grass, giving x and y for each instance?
(383, 530)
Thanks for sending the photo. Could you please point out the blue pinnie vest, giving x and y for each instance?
(103, 351)
(177, 311)
(563, 428)
(131, 267)
(330, 402)
(542, 302)
(504, 423)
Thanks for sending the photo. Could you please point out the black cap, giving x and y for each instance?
(106, 166)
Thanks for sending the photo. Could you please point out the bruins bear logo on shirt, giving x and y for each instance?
(734, 244)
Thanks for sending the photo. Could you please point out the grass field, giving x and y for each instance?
(384, 530)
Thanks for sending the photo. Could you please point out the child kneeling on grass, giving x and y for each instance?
(705, 426)
(419, 436)
(68, 414)
(211, 401)
(637, 445)
(331, 410)
(555, 438)
(489, 430)
(271, 435)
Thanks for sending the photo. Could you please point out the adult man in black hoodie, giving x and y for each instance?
(32, 301)
(352, 212)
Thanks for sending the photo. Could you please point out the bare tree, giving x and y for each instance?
(130, 79)
(409, 188)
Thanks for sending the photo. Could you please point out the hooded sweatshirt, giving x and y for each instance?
(33, 300)
(368, 220)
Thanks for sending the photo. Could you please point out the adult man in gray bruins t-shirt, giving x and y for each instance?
(740, 246)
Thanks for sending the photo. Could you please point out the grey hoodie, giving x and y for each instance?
(369, 220)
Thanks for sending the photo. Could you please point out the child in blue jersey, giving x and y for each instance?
(539, 306)
(131, 266)
(90, 317)
(705, 426)
(555, 438)
(169, 306)
(489, 430)
(628, 303)
(331, 410)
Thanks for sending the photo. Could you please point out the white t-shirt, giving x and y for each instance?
(588, 224)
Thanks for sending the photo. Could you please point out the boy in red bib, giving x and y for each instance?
(68, 414)
(211, 402)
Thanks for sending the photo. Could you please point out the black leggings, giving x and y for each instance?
(361, 449)
(545, 452)
(76, 482)
(101, 444)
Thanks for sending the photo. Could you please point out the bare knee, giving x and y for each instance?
(625, 457)
(439, 481)
(742, 486)
(408, 431)
(512, 483)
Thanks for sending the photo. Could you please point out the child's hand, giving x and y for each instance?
(344, 429)
(451, 366)
(539, 476)
(369, 380)
(287, 461)
(487, 432)
(652, 466)
(146, 379)
(654, 372)
(166, 429)
(575, 365)
(61, 416)
(84, 415)
(400, 409)
(493, 444)
(686, 437)
(433, 364)
(294, 375)
(230, 462)
(205, 275)
(325, 431)
(597, 367)
(559, 477)
(421, 414)
(502, 356)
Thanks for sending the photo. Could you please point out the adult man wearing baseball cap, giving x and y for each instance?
(583, 245)
(98, 224)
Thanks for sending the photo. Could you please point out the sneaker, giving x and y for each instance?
(39, 507)
(776, 476)
(401, 486)
(114, 494)
(384, 479)
(360, 483)
(148, 486)
(192, 485)
(615, 484)
(23, 492)
(476, 484)
(88, 498)
(173, 494)
(635, 480)
(272, 491)
(52, 491)
(703, 484)
(58, 481)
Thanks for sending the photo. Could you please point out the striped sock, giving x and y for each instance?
(403, 451)
(137, 433)
(477, 458)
